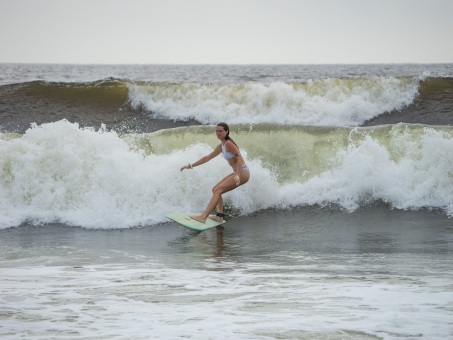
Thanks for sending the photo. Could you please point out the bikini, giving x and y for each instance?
(228, 155)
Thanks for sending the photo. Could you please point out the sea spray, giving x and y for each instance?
(89, 178)
(409, 167)
(332, 101)
(99, 179)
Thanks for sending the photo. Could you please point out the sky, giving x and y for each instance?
(226, 31)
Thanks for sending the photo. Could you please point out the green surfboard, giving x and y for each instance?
(186, 221)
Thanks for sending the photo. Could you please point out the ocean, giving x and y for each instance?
(344, 230)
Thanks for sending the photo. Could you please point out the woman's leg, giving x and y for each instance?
(225, 185)
(219, 209)
(219, 206)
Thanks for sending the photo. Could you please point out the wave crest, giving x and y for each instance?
(336, 102)
(99, 179)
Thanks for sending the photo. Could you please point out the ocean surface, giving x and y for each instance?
(344, 230)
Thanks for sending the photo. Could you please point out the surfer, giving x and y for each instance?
(240, 175)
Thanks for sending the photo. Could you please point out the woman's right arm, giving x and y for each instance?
(204, 159)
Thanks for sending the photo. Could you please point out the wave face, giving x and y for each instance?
(336, 102)
(128, 106)
(100, 179)
(137, 106)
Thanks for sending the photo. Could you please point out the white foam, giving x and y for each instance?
(345, 102)
(411, 173)
(223, 300)
(59, 172)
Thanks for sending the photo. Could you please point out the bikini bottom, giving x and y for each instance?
(244, 168)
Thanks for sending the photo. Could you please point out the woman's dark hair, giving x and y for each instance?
(226, 128)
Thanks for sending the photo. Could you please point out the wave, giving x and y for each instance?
(327, 102)
(337, 102)
(109, 92)
(58, 172)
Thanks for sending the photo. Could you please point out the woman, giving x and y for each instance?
(240, 175)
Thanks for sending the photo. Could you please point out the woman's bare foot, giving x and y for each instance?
(198, 218)
(216, 218)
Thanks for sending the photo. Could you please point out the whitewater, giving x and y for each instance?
(319, 102)
(58, 172)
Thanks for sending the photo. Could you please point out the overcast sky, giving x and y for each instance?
(226, 31)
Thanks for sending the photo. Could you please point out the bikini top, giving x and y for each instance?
(226, 154)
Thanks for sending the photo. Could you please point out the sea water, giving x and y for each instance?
(305, 274)
(343, 231)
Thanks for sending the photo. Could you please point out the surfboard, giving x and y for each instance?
(186, 221)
